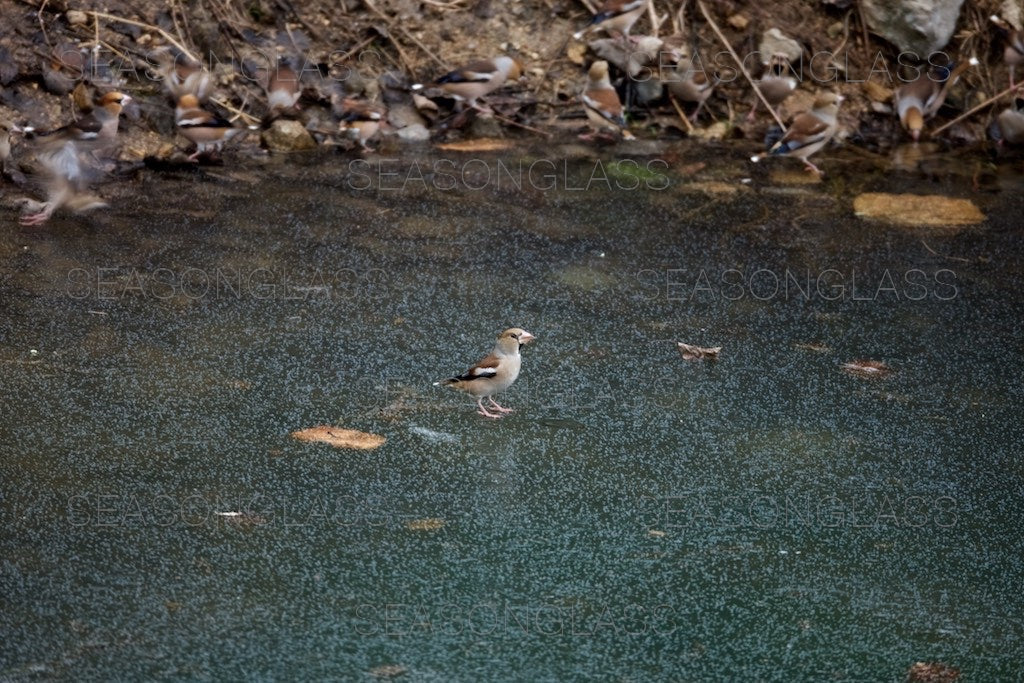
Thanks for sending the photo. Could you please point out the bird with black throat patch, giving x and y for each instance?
(494, 374)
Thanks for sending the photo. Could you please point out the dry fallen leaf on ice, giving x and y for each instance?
(690, 352)
(917, 210)
(340, 438)
(427, 524)
(867, 368)
(476, 145)
(387, 671)
(930, 672)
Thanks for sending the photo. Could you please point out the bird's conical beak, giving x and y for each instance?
(526, 337)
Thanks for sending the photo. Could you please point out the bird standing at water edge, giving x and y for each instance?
(493, 374)
(478, 79)
(1013, 53)
(921, 98)
(208, 131)
(69, 161)
(810, 131)
(602, 103)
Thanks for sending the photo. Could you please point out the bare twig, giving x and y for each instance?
(682, 115)
(249, 118)
(520, 125)
(863, 29)
(653, 16)
(42, 24)
(739, 63)
(973, 110)
(156, 29)
(950, 258)
(423, 47)
(406, 63)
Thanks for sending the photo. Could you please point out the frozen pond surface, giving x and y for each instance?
(639, 517)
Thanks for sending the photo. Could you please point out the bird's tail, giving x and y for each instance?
(447, 382)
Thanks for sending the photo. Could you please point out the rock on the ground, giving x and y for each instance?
(775, 42)
(417, 132)
(921, 26)
(285, 135)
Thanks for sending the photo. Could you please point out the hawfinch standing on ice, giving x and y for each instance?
(493, 374)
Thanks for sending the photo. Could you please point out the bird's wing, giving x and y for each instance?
(615, 9)
(477, 72)
(806, 130)
(606, 104)
(486, 368)
(200, 118)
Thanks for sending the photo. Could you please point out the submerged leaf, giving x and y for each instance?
(690, 352)
(388, 671)
(867, 368)
(932, 672)
(917, 210)
(477, 145)
(340, 438)
(427, 524)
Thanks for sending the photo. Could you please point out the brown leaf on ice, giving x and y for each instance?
(932, 672)
(427, 524)
(917, 210)
(690, 352)
(812, 346)
(340, 438)
(867, 368)
(476, 145)
(388, 671)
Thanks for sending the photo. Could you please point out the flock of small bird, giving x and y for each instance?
(69, 156)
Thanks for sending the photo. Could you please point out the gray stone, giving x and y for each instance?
(485, 127)
(285, 135)
(920, 26)
(417, 132)
(775, 42)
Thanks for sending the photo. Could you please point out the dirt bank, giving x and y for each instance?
(374, 49)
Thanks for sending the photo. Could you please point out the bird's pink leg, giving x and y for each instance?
(812, 167)
(753, 111)
(38, 218)
(696, 112)
(483, 411)
(500, 409)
